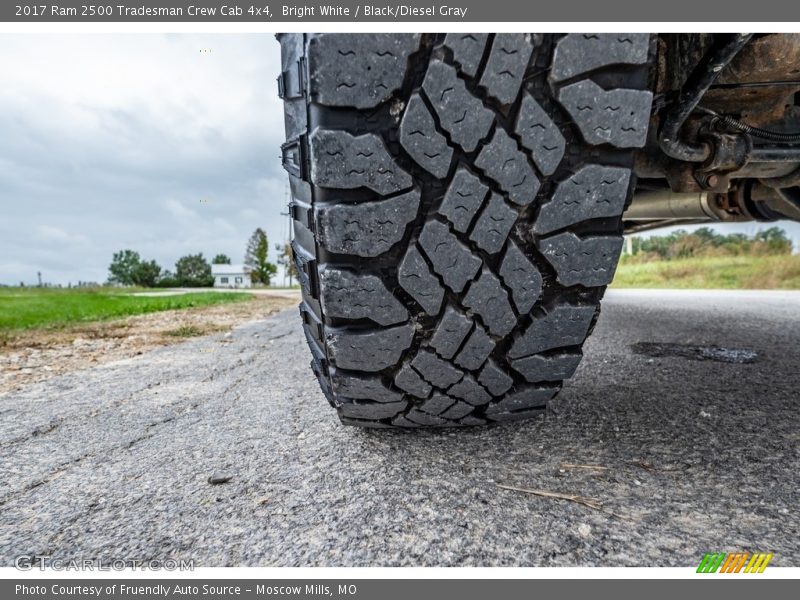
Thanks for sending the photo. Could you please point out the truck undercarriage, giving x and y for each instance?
(724, 136)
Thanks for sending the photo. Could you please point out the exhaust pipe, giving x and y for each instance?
(663, 205)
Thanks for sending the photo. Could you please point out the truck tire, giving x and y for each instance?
(456, 202)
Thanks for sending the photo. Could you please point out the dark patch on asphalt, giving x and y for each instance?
(737, 356)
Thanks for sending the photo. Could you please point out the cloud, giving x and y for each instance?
(49, 234)
(179, 211)
(135, 141)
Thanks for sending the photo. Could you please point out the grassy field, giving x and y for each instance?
(34, 308)
(728, 272)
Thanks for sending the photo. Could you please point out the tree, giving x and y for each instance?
(123, 267)
(256, 257)
(167, 279)
(193, 271)
(221, 259)
(286, 260)
(776, 240)
(128, 268)
(147, 273)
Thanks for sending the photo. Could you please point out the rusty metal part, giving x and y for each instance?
(770, 204)
(771, 57)
(697, 84)
(756, 84)
(786, 181)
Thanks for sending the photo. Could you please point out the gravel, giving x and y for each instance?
(676, 456)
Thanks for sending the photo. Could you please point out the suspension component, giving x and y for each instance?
(669, 138)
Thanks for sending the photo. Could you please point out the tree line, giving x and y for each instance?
(193, 270)
(705, 242)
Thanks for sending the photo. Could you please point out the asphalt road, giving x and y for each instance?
(697, 455)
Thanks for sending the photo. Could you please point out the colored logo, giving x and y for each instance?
(743, 562)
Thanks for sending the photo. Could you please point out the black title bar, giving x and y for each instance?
(352, 11)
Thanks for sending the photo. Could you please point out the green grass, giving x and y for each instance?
(34, 308)
(724, 272)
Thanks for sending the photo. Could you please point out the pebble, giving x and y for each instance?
(219, 478)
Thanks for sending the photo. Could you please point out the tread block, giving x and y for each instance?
(578, 53)
(487, 298)
(371, 410)
(467, 50)
(362, 387)
(589, 261)
(341, 160)
(494, 379)
(563, 325)
(505, 69)
(451, 259)
(422, 418)
(358, 70)
(370, 351)
(470, 391)
(539, 134)
(460, 113)
(401, 421)
(437, 404)
(524, 398)
(349, 295)
(419, 137)
(450, 332)
(408, 380)
(547, 368)
(317, 354)
(303, 260)
(616, 117)
(415, 278)
(503, 162)
(435, 370)
(492, 227)
(594, 191)
(476, 350)
(459, 410)
(522, 277)
(472, 421)
(367, 229)
(463, 198)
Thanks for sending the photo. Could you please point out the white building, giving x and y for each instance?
(231, 276)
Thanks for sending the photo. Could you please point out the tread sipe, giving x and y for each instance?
(457, 204)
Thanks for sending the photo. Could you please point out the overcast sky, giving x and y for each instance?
(135, 141)
(138, 141)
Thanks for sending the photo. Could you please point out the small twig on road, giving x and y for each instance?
(582, 500)
(590, 502)
(592, 467)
